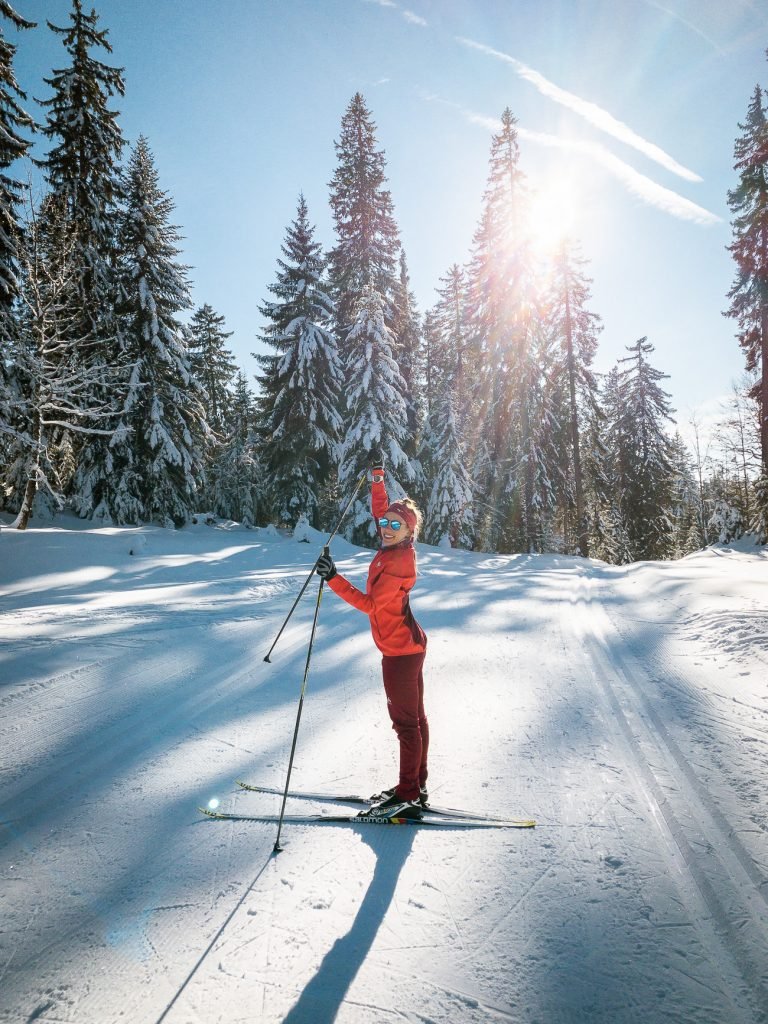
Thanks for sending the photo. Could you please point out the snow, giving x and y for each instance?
(623, 707)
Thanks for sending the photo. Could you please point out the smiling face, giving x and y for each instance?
(390, 536)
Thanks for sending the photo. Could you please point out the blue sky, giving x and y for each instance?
(627, 109)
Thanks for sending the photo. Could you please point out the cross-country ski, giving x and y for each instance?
(430, 808)
(436, 821)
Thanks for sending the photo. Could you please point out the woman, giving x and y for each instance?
(400, 639)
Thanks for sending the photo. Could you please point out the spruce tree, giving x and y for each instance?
(157, 454)
(686, 536)
(449, 322)
(236, 480)
(378, 412)
(449, 513)
(13, 145)
(408, 349)
(367, 241)
(532, 479)
(212, 364)
(575, 329)
(499, 307)
(749, 293)
(607, 534)
(643, 455)
(82, 166)
(14, 121)
(301, 381)
(56, 393)
(82, 169)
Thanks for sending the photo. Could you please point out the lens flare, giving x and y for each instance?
(552, 215)
(213, 803)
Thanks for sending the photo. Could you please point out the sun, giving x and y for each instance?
(553, 214)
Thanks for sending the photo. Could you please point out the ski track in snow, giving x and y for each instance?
(625, 708)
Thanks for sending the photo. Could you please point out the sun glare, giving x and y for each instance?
(552, 215)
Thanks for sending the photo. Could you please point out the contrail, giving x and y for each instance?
(410, 16)
(589, 111)
(688, 24)
(415, 19)
(638, 184)
(646, 189)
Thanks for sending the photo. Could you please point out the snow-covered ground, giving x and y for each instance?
(625, 708)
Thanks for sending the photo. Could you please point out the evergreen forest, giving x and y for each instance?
(121, 401)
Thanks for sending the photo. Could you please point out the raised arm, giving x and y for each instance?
(379, 499)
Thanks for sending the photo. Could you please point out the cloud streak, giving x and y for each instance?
(587, 110)
(688, 24)
(639, 185)
(410, 16)
(415, 19)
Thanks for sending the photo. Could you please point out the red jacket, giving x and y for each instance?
(391, 577)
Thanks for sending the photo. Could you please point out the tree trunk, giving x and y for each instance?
(22, 519)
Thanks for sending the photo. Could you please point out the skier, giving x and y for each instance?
(399, 637)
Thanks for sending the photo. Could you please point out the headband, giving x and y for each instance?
(406, 513)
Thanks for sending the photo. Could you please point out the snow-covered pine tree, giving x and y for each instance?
(301, 382)
(55, 390)
(367, 240)
(684, 509)
(499, 309)
(212, 364)
(576, 331)
(14, 120)
(83, 174)
(236, 481)
(449, 323)
(409, 353)
(214, 369)
(607, 535)
(13, 145)
(157, 454)
(535, 435)
(641, 452)
(378, 413)
(449, 514)
(726, 522)
(82, 166)
(749, 293)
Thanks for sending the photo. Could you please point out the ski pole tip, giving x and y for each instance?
(266, 658)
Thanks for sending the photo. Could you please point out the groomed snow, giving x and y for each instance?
(626, 709)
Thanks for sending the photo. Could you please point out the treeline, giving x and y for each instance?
(487, 406)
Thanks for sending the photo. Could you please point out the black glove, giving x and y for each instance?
(376, 462)
(325, 568)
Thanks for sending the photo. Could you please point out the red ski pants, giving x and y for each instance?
(404, 687)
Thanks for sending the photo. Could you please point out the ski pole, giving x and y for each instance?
(278, 847)
(312, 570)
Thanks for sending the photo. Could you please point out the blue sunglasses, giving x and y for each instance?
(394, 523)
